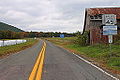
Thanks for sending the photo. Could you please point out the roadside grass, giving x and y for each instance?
(62, 41)
(99, 52)
(6, 50)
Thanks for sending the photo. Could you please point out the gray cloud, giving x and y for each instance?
(48, 15)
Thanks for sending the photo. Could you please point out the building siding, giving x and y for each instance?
(93, 23)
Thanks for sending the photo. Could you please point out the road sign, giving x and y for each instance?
(110, 37)
(114, 27)
(62, 35)
(110, 30)
(109, 19)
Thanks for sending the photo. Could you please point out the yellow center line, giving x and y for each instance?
(37, 69)
(39, 72)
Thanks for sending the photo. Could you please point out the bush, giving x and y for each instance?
(82, 39)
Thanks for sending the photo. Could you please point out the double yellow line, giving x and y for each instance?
(37, 69)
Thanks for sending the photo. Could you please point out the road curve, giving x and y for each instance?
(60, 64)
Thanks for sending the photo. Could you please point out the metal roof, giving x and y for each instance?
(95, 11)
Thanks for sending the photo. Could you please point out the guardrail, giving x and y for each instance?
(11, 42)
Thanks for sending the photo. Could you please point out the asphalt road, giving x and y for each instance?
(18, 66)
(59, 64)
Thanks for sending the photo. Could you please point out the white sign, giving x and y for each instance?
(110, 30)
(110, 37)
(114, 27)
(109, 19)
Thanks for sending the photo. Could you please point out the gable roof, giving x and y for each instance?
(113, 10)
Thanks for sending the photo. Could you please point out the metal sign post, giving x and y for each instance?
(110, 28)
(110, 38)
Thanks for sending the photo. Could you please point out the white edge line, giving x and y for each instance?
(96, 67)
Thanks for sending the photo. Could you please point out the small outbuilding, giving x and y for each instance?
(93, 23)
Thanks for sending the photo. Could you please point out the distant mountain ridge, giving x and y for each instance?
(5, 27)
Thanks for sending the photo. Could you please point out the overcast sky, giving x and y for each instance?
(49, 15)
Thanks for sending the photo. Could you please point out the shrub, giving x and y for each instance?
(82, 39)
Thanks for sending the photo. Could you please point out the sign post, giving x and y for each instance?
(110, 38)
(110, 28)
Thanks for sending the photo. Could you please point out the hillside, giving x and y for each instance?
(4, 26)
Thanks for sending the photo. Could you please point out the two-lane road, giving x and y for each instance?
(59, 64)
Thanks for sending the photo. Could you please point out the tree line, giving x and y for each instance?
(18, 35)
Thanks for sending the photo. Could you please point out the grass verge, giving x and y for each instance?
(7, 50)
(98, 54)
